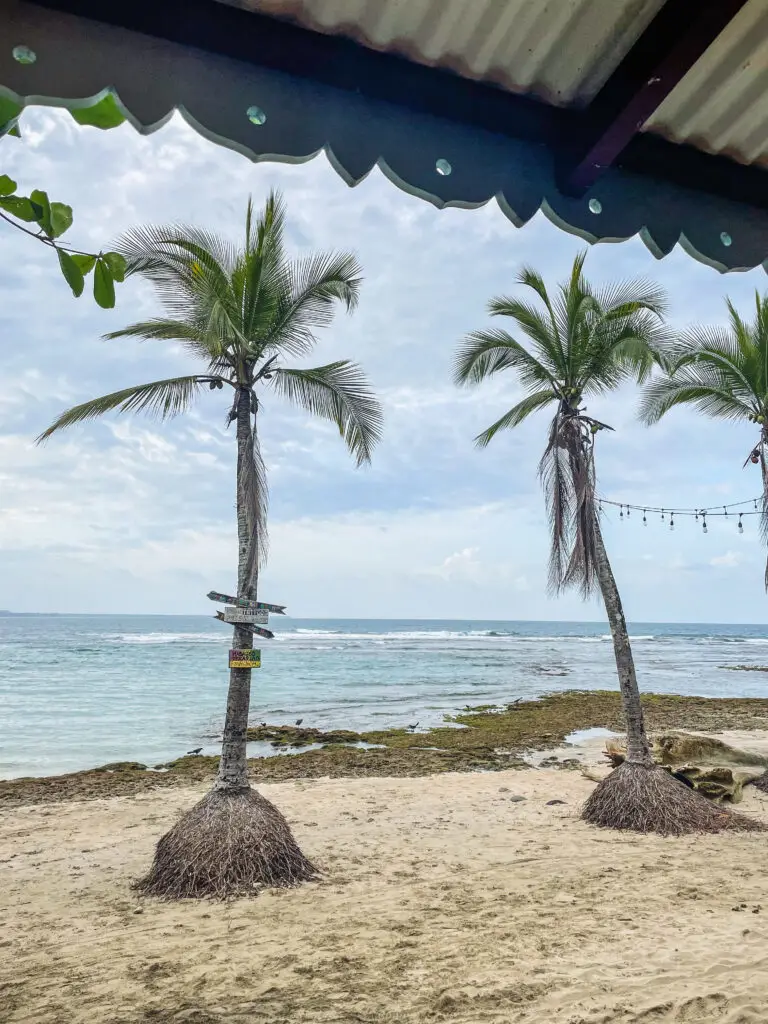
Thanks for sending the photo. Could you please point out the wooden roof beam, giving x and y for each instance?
(670, 46)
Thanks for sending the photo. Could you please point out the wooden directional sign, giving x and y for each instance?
(266, 633)
(259, 616)
(244, 602)
(245, 658)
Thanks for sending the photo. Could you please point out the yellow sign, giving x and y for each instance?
(245, 658)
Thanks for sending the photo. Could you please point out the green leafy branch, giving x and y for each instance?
(52, 220)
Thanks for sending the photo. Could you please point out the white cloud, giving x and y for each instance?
(143, 512)
(730, 560)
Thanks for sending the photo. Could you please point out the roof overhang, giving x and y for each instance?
(449, 138)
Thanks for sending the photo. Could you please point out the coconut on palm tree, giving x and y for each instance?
(583, 342)
(723, 372)
(244, 312)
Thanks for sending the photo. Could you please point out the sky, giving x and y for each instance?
(128, 515)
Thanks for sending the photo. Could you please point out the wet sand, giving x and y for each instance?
(444, 898)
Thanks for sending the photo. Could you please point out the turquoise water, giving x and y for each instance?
(79, 691)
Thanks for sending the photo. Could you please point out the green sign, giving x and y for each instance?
(245, 658)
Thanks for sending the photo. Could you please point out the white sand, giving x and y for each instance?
(443, 900)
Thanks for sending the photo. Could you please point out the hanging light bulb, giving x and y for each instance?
(645, 521)
(662, 515)
(725, 510)
(627, 511)
(621, 511)
(672, 520)
(741, 527)
(704, 523)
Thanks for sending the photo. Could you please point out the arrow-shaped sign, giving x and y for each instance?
(244, 602)
(266, 633)
(258, 616)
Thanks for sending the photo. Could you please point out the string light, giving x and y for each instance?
(724, 511)
(664, 510)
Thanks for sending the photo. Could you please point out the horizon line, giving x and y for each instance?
(7, 613)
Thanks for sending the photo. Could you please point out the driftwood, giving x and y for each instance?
(713, 768)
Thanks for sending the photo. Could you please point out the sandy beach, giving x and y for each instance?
(458, 897)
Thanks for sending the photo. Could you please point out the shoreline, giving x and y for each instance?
(481, 739)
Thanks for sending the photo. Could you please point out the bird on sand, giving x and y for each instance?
(299, 721)
(195, 751)
(413, 727)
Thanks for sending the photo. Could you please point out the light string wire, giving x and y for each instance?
(702, 513)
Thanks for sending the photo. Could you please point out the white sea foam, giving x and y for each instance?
(166, 638)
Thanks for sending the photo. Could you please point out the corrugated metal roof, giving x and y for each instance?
(274, 111)
(561, 51)
(720, 105)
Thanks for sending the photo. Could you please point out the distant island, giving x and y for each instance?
(4, 613)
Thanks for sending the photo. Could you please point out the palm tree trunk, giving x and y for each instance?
(638, 750)
(233, 772)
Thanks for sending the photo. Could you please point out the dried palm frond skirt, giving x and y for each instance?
(650, 800)
(229, 844)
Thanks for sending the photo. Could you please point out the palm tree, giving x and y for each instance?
(584, 342)
(723, 371)
(245, 312)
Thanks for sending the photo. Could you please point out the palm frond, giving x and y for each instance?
(257, 278)
(339, 392)
(191, 271)
(161, 399)
(515, 416)
(539, 328)
(188, 335)
(253, 486)
(307, 294)
(567, 473)
(558, 490)
(695, 385)
(637, 292)
(484, 353)
(738, 362)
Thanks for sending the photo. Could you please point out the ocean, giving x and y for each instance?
(77, 691)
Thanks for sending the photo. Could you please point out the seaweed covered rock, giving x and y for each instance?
(713, 768)
(296, 736)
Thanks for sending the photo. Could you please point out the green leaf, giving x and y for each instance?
(7, 185)
(13, 132)
(44, 218)
(84, 262)
(72, 273)
(20, 207)
(61, 219)
(116, 264)
(103, 285)
(104, 114)
(9, 111)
